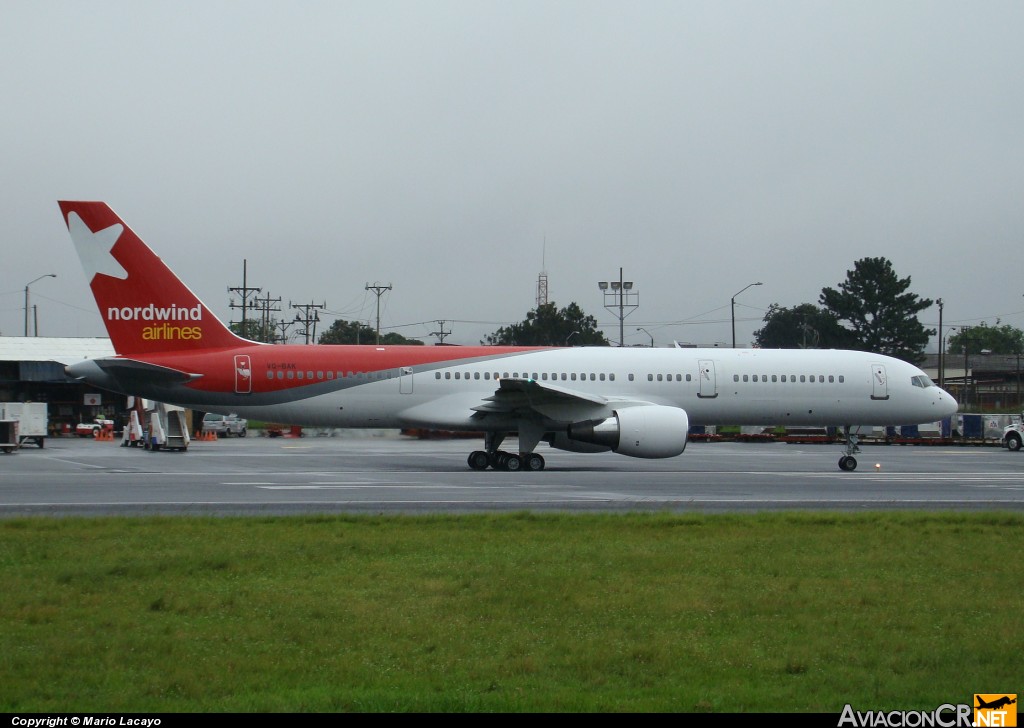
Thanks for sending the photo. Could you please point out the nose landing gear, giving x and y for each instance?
(848, 461)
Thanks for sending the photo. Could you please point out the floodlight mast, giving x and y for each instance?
(619, 297)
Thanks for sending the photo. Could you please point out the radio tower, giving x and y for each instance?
(542, 279)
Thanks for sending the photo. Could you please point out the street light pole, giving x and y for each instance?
(48, 275)
(641, 328)
(967, 391)
(942, 352)
(733, 304)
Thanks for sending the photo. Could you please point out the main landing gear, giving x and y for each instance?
(848, 461)
(497, 459)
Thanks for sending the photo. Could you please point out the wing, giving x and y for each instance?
(527, 397)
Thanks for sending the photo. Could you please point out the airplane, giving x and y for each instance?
(996, 704)
(639, 402)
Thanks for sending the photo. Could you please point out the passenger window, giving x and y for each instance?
(775, 377)
(280, 375)
(841, 379)
(291, 374)
(270, 374)
(746, 378)
(631, 377)
(476, 375)
(573, 376)
(299, 375)
(659, 377)
(447, 375)
(831, 379)
(602, 377)
(650, 377)
(611, 377)
(689, 378)
(437, 375)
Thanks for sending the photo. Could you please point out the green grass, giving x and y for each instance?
(520, 612)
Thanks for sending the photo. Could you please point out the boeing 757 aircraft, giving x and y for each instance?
(639, 402)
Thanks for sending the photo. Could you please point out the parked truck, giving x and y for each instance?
(33, 420)
(1013, 434)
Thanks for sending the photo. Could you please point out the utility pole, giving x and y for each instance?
(312, 316)
(284, 326)
(440, 334)
(379, 290)
(244, 290)
(268, 305)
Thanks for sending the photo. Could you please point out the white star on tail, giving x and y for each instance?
(94, 248)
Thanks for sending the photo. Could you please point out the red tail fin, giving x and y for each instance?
(145, 307)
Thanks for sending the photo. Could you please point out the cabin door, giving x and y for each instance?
(707, 380)
(243, 374)
(405, 380)
(879, 384)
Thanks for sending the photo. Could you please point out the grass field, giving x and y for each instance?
(514, 613)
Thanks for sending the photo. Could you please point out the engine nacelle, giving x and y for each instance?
(644, 431)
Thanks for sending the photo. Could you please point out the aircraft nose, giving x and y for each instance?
(948, 404)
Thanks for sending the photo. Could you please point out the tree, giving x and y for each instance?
(548, 326)
(252, 330)
(356, 332)
(802, 327)
(997, 339)
(881, 313)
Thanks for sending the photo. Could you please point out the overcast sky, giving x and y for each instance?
(455, 149)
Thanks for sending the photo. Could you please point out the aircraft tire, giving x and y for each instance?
(533, 461)
(478, 460)
(848, 462)
(513, 463)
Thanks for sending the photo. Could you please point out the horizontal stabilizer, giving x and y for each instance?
(125, 374)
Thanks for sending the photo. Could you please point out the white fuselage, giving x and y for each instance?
(714, 387)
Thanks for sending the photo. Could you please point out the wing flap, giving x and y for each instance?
(525, 396)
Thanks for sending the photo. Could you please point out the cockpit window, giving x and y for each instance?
(922, 381)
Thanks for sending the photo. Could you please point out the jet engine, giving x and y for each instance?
(644, 431)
